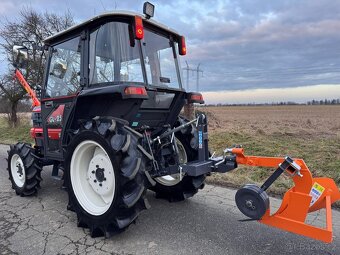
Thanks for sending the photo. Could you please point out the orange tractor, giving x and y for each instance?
(109, 119)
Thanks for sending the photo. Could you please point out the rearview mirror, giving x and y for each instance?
(20, 56)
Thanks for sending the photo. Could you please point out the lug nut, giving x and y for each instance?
(97, 166)
(100, 184)
(93, 172)
(104, 179)
(95, 181)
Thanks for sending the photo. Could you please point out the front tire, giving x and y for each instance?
(24, 169)
(104, 174)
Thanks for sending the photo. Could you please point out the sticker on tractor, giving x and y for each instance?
(316, 193)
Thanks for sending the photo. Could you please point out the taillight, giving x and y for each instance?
(195, 98)
(135, 91)
(139, 30)
(182, 47)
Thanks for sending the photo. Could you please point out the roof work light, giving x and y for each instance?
(148, 10)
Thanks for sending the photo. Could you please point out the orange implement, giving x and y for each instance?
(29, 90)
(307, 195)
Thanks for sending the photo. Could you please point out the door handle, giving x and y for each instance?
(48, 104)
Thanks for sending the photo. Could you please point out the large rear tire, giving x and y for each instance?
(104, 175)
(171, 187)
(24, 169)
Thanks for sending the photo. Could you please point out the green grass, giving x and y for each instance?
(9, 135)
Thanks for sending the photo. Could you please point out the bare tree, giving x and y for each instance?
(33, 27)
(12, 95)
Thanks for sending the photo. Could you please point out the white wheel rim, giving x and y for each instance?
(18, 170)
(92, 177)
(171, 180)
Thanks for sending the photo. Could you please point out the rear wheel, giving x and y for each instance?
(172, 187)
(105, 177)
(24, 169)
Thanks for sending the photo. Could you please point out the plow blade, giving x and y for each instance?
(307, 195)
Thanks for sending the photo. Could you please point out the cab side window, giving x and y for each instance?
(64, 71)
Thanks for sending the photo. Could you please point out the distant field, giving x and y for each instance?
(308, 132)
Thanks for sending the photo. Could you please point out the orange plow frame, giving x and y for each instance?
(296, 203)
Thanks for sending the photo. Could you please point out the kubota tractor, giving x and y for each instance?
(108, 120)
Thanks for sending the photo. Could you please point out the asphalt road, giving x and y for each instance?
(209, 223)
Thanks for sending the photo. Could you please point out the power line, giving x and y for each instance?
(193, 70)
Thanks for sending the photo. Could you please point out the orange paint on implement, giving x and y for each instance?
(27, 87)
(296, 203)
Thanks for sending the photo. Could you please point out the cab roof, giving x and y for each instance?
(103, 16)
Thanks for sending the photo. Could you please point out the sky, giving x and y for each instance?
(242, 46)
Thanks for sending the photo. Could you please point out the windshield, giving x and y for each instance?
(112, 58)
(159, 60)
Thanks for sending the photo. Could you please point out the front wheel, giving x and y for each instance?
(24, 169)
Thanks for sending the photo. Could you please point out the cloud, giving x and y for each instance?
(241, 44)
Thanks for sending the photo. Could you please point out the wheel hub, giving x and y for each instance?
(249, 204)
(18, 170)
(100, 175)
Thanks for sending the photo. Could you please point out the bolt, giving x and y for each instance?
(97, 166)
(93, 172)
(100, 184)
(95, 181)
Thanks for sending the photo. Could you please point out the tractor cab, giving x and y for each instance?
(117, 64)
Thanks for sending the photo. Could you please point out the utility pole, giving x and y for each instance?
(189, 111)
(197, 70)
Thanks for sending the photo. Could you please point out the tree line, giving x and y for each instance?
(324, 102)
(312, 102)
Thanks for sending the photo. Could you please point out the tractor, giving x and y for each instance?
(108, 120)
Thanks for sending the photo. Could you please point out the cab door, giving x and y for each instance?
(60, 90)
